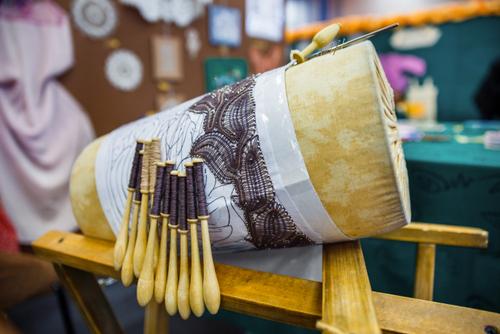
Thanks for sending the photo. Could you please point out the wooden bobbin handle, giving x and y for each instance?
(155, 207)
(161, 268)
(172, 276)
(211, 291)
(154, 160)
(122, 239)
(141, 242)
(171, 287)
(320, 40)
(183, 288)
(145, 285)
(127, 274)
(196, 283)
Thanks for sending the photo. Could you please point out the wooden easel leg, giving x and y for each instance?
(424, 273)
(90, 299)
(347, 295)
(155, 319)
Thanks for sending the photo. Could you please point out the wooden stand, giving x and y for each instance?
(344, 303)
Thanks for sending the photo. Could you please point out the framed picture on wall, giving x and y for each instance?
(220, 72)
(224, 26)
(265, 19)
(167, 58)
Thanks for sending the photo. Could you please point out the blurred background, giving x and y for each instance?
(71, 71)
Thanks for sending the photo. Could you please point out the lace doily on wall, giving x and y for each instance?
(179, 12)
(124, 70)
(94, 18)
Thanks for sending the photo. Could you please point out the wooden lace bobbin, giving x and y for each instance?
(172, 277)
(122, 239)
(145, 285)
(161, 268)
(211, 291)
(127, 274)
(320, 40)
(183, 285)
(155, 158)
(140, 243)
(196, 283)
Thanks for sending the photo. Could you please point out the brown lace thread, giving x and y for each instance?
(160, 175)
(137, 196)
(201, 199)
(190, 197)
(165, 206)
(231, 149)
(135, 166)
(173, 198)
(181, 202)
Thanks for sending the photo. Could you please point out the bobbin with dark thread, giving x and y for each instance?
(201, 200)
(137, 196)
(165, 204)
(145, 168)
(181, 202)
(154, 157)
(160, 175)
(135, 166)
(190, 196)
(173, 199)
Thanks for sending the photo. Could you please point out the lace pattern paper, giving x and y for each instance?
(258, 191)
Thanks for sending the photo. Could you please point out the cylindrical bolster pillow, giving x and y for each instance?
(309, 154)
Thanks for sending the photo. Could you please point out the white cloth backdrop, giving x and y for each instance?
(42, 128)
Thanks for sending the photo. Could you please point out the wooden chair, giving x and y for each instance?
(427, 236)
(343, 303)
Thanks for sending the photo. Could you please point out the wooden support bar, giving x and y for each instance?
(155, 319)
(347, 295)
(440, 234)
(89, 298)
(424, 273)
(279, 298)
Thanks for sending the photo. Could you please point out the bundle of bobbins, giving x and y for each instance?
(167, 204)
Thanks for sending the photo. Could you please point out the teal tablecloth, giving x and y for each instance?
(456, 184)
